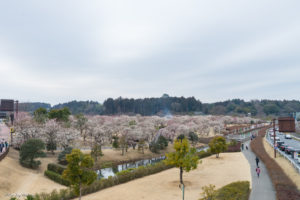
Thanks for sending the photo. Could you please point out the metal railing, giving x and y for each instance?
(291, 160)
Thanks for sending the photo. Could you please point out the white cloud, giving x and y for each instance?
(214, 50)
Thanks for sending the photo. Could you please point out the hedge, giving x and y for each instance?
(56, 177)
(32, 165)
(56, 168)
(285, 188)
(203, 154)
(121, 177)
(239, 190)
(234, 147)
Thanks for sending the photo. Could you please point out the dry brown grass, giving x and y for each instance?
(15, 179)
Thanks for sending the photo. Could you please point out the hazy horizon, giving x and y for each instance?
(59, 51)
(101, 102)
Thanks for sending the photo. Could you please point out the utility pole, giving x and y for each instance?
(274, 135)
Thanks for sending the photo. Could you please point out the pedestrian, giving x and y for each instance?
(257, 171)
(242, 146)
(257, 161)
(246, 147)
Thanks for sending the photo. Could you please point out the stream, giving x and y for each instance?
(111, 171)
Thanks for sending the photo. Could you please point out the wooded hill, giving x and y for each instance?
(174, 105)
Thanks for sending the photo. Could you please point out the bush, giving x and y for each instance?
(160, 144)
(29, 197)
(193, 137)
(115, 143)
(31, 149)
(56, 177)
(203, 154)
(98, 185)
(56, 168)
(234, 191)
(62, 156)
(51, 146)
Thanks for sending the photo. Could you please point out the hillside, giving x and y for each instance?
(166, 105)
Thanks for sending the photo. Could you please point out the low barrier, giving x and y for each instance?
(4, 154)
(296, 138)
(291, 160)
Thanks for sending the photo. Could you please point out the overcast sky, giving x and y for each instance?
(57, 51)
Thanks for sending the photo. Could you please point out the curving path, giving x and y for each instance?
(262, 187)
(4, 132)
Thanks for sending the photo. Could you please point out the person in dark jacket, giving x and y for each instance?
(257, 161)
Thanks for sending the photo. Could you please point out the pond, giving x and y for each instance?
(111, 171)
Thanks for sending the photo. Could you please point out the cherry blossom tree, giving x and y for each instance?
(51, 131)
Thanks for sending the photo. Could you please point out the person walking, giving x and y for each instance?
(257, 161)
(258, 171)
(242, 146)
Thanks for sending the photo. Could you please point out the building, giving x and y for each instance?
(286, 124)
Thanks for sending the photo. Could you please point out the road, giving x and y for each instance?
(262, 187)
(290, 142)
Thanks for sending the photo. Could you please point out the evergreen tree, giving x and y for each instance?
(79, 171)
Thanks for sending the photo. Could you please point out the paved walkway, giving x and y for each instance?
(262, 187)
(4, 132)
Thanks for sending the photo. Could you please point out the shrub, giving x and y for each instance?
(31, 149)
(51, 146)
(209, 192)
(56, 177)
(33, 164)
(239, 190)
(115, 143)
(56, 168)
(234, 191)
(98, 185)
(193, 137)
(160, 144)
(203, 154)
(62, 156)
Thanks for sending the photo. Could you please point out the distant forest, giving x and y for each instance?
(174, 105)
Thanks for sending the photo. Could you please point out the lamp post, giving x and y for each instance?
(274, 135)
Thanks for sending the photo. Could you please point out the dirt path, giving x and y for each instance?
(228, 168)
(15, 179)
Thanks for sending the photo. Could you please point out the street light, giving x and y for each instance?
(274, 135)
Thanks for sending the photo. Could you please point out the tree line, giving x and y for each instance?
(173, 105)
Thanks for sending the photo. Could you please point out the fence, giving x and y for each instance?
(291, 160)
(4, 154)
